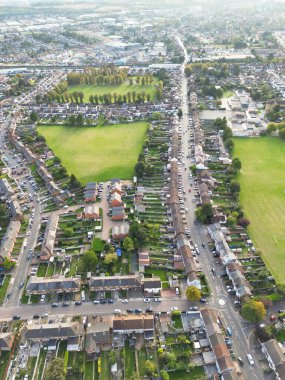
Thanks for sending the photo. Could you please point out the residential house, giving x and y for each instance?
(120, 232)
(138, 324)
(116, 188)
(144, 260)
(115, 200)
(212, 322)
(91, 212)
(152, 285)
(241, 286)
(90, 192)
(42, 285)
(16, 210)
(274, 353)
(60, 331)
(6, 341)
(118, 213)
(5, 187)
(98, 338)
(115, 282)
(49, 237)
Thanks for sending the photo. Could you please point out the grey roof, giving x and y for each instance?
(118, 210)
(115, 281)
(274, 351)
(6, 340)
(153, 282)
(54, 330)
(49, 285)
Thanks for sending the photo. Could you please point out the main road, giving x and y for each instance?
(22, 267)
(220, 299)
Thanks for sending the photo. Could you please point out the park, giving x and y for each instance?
(262, 197)
(97, 153)
(118, 90)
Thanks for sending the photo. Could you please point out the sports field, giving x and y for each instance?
(262, 180)
(97, 153)
(121, 89)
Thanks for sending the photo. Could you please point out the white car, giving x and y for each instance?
(174, 308)
(125, 301)
(117, 311)
(146, 300)
(250, 360)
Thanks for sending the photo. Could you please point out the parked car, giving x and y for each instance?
(117, 311)
(250, 359)
(54, 304)
(77, 303)
(174, 308)
(16, 317)
(203, 300)
(229, 331)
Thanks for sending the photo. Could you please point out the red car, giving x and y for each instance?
(272, 317)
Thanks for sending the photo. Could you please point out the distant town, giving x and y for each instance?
(142, 223)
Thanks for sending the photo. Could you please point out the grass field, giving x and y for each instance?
(263, 197)
(97, 153)
(121, 89)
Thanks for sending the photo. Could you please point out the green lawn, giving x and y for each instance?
(97, 153)
(4, 359)
(121, 89)
(130, 362)
(4, 287)
(263, 197)
(196, 373)
(105, 366)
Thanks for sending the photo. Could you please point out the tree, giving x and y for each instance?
(150, 367)
(128, 244)
(138, 234)
(110, 258)
(74, 183)
(33, 116)
(108, 248)
(205, 213)
(89, 261)
(253, 311)
(193, 293)
(282, 133)
(234, 186)
(231, 221)
(55, 370)
(243, 222)
(236, 164)
(8, 264)
(139, 169)
(164, 375)
(67, 232)
(271, 127)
